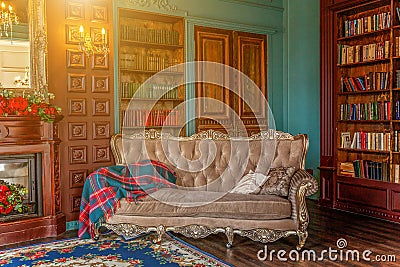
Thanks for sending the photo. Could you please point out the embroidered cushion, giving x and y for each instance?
(278, 181)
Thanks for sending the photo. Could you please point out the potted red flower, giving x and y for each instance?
(33, 104)
(11, 197)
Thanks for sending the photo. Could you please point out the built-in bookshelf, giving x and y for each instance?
(150, 43)
(367, 98)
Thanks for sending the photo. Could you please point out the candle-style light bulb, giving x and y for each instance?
(103, 35)
(10, 8)
(81, 30)
(3, 5)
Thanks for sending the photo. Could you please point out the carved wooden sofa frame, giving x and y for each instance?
(302, 184)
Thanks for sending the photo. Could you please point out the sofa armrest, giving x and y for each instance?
(302, 184)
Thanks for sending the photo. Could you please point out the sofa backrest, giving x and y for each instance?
(217, 162)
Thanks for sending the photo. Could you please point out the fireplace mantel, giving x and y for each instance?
(23, 135)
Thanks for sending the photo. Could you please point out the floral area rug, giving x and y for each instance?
(110, 251)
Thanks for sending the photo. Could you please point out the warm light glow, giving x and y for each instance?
(87, 45)
(7, 19)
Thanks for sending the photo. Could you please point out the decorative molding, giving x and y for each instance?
(57, 177)
(77, 178)
(99, 61)
(75, 203)
(76, 83)
(100, 84)
(77, 107)
(101, 107)
(75, 10)
(160, 4)
(99, 14)
(77, 131)
(73, 35)
(101, 130)
(260, 4)
(77, 155)
(210, 134)
(101, 153)
(151, 134)
(38, 46)
(75, 59)
(263, 235)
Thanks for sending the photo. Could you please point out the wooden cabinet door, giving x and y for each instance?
(251, 60)
(245, 52)
(213, 45)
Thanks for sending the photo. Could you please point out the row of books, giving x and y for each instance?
(147, 62)
(348, 54)
(156, 36)
(367, 82)
(366, 141)
(366, 111)
(134, 118)
(397, 110)
(369, 169)
(363, 25)
(152, 91)
(396, 141)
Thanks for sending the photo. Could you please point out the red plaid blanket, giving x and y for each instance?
(105, 187)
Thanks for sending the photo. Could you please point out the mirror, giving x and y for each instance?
(23, 52)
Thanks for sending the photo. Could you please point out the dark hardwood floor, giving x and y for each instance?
(326, 227)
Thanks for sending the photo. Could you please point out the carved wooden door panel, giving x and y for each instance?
(245, 52)
(213, 45)
(252, 61)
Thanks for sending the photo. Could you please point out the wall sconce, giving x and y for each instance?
(7, 18)
(22, 82)
(87, 45)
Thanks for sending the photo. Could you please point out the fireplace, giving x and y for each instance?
(30, 147)
(24, 170)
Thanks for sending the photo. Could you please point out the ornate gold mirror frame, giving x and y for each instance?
(38, 45)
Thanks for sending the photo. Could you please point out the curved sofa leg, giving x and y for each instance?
(302, 239)
(96, 231)
(160, 232)
(229, 235)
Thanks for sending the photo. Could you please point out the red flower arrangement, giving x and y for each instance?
(28, 105)
(11, 197)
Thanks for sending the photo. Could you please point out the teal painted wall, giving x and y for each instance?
(302, 61)
(258, 16)
(292, 27)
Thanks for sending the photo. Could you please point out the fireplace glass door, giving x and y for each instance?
(20, 186)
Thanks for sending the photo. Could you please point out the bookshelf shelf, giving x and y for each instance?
(364, 92)
(365, 121)
(367, 60)
(151, 72)
(148, 44)
(151, 45)
(151, 99)
(363, 35)
(351, 150)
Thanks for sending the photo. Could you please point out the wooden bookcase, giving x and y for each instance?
(148, 44)
(367, 94)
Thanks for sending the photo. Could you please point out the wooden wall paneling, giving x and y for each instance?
(251, 60)
(213, 45)
(327, 145)
(248, 54)
(83, 87)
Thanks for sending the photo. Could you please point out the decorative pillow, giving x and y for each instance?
(250, 183)
(278, 181)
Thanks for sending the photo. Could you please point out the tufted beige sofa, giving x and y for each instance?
(202, 204)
